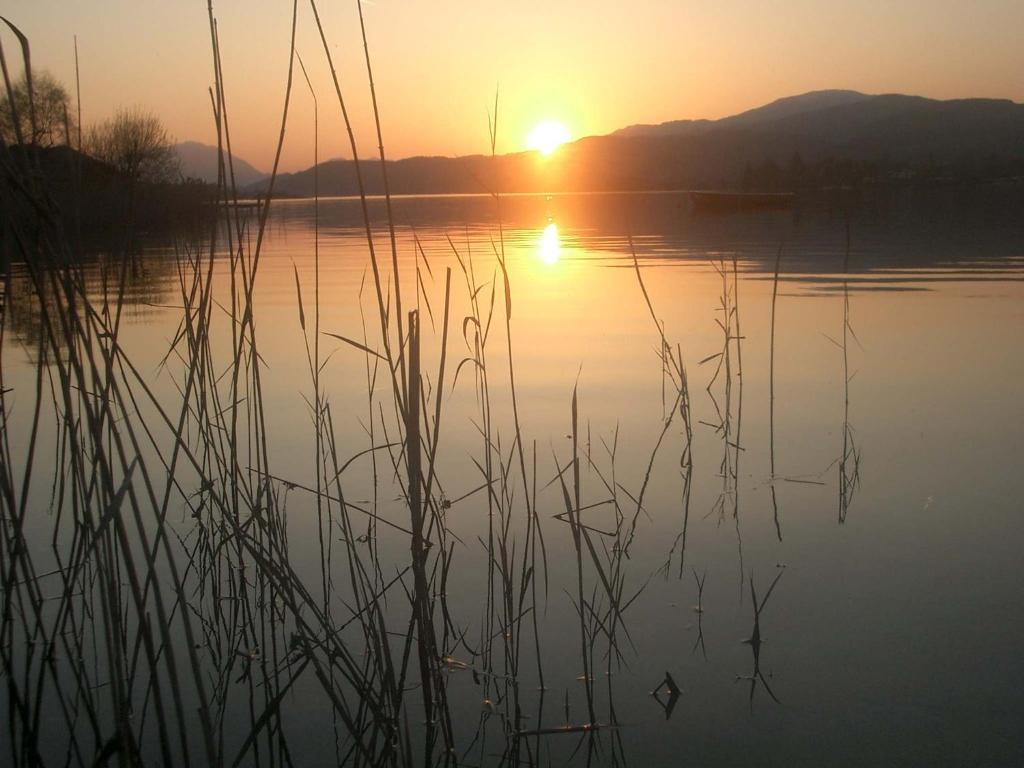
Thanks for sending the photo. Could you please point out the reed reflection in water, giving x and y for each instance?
(659, 362)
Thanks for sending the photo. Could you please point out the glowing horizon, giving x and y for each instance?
(578, 66)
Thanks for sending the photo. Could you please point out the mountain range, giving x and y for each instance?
(817, 138)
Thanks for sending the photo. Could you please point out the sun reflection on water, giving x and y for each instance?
(549, 246)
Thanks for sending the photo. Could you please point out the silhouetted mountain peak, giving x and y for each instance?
(790, 106)
(200, 161)
(785, 107)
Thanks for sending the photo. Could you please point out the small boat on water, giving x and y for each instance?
(741, 202)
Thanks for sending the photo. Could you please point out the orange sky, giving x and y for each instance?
(595, 65)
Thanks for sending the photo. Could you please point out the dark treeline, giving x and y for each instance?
(93, 200)
(843, 172)
(612, 164)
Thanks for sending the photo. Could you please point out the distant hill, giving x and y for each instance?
(199, 161)
(823, 138)
(776, 110)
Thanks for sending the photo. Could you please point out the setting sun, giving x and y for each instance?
(547, 136)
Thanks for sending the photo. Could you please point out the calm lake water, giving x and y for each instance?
(883, 488)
